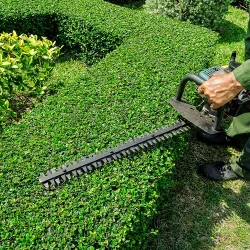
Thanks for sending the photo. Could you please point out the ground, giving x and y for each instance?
(203, 214)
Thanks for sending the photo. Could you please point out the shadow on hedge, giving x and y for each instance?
(196, 206)
(31, 24)
(230, 33)
(131, 4)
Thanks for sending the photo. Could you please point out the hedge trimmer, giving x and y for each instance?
(207, 120)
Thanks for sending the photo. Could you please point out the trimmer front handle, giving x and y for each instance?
(191, 77)
(217, 114)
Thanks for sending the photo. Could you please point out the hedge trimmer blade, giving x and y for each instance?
(94, 161)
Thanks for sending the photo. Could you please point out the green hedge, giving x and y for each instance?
(122, 96)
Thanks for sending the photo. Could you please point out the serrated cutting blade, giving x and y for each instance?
(93, 161)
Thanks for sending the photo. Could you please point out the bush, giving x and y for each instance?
(123, 95)
(203, 12)
(25, 64)
(89, 43)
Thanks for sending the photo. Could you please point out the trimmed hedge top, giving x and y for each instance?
(122, 96)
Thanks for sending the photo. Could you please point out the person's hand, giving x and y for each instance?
(220, 89)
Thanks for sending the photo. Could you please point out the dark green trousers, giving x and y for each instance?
(240, 129)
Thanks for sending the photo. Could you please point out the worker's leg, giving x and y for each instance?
(241, 164)
(237, 134)
(239, 129)
(238, 167)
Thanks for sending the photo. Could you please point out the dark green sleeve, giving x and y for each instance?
(247, 42)
(242, 74)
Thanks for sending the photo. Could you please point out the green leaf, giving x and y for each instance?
(6, 63)
(31, 84)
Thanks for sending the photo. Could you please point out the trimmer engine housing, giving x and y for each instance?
(207, 119)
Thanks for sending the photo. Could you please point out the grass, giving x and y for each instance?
(203, 214)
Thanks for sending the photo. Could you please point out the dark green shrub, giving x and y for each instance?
(121, 96)
(243, 4)
(203, 12)
(90, 43)
(30, 17)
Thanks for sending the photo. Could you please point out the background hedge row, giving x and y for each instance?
(123, 95)
(201, 12)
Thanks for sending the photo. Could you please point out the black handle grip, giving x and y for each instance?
(218, 118)
(191, 77)
(199, 81)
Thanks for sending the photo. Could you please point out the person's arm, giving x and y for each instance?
(242, 74)
(221, 89)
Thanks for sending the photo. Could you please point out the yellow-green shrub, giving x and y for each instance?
(25, 63)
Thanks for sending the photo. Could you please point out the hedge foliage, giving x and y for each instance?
(122, 96)
(25, 64)
(208, 13)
